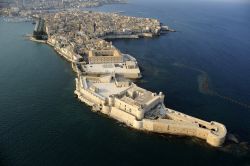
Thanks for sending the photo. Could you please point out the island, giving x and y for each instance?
(105, 76)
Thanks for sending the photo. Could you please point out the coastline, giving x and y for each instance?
(173, 126)
(148, 112)
(59, 52)
(166, 121)
(40, 106)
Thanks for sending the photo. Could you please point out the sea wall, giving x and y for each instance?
(134, 110)
(122, 116)
(214, 133)
(91, 97)
(186, 129)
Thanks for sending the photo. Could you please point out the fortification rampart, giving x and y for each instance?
(173, 122)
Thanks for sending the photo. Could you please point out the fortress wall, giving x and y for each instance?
(138, 124)
(169, 127)
(148, 125)
(214, 140)
(122, 116)
(179, 124)
(213, 131)
(91, 96)
(174, 115)
(106, 110)
(83, 82)
(202, 133)
(77, 84)
(218, 138)
(152, 103)
(83, 99)
(126, 107)
(130, 74)
(183, 128)
(67, 52)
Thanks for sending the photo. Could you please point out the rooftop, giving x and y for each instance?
(105, 85)
(138, 96)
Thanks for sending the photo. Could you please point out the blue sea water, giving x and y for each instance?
(41, 123)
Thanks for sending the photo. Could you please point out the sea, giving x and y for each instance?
(203, 69)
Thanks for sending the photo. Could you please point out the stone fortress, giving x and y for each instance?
(142, 109)
(104, 74)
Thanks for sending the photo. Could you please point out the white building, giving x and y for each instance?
(104, 56)
(142, 109)
(111, 62)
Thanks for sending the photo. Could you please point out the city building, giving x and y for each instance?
(104, 56)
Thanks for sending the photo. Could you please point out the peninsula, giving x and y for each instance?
(104, 75)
